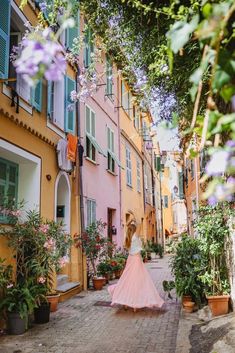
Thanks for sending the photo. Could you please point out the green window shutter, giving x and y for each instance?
(71, 34)
(158, 164)
(37, 96)
(8, 186)
(5, 15)
(181, 185)
(49, 100)
(92, 123)
(108, 138)
(88, 120)
(69, 115)
(88, 47)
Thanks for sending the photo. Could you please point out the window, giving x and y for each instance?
(136, 116)
(8, 186)
(111, 161)
(58, 100)
(89, 46)
(91, 211)
(90, 133)
(186, 172)
(17, 83)
(165, 201)
(125, 96)
(138, 172)
(192, 168)
(109, 78)
(181, 185)
(128, 167)
(91, 144)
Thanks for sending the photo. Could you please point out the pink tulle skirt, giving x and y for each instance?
(135, 288)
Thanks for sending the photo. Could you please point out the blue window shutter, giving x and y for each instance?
(49, 101)
(37, 96)
(5, 15)
(69, 115)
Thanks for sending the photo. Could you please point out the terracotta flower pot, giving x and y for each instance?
(218, 304)
(117, 274)
(189, 306)
(53, 299)
(98, 282)
(186, 298)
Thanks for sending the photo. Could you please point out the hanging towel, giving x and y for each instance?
(72, 147)
(63, 162)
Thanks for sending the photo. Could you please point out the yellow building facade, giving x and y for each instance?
(136, 175)
(29, 169)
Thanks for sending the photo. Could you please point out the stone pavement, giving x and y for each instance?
(82, 326)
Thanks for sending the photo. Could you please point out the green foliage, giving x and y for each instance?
(212, 228)
(19, 299)
(40, 248)
(93, 243)
(187, 265)
(158, 249)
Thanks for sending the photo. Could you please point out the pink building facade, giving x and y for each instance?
(99, 136)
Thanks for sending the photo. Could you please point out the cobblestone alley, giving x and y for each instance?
(83, 325)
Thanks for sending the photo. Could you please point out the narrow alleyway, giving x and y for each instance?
(87, 324)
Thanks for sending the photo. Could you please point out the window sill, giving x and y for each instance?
(91, 161)
(111, 172)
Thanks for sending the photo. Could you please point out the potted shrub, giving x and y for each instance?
(187, 265)
(17, 304)
(116, 267)
(104, 269)
(213, 229)
(41, 249)
(92, 243)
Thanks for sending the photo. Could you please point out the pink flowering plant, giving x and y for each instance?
(41, 248)
(93, 243)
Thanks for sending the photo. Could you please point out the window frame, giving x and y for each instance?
(110, 149)
(91, 211)
(138, 175)
(4, 219)
(90, 148)
(128, 167)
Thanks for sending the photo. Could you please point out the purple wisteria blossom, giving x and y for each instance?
(218, 163)
(43, 6)
(40, 55)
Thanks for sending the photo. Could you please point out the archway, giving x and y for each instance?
(63, 200)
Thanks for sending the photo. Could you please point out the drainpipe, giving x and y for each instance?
(119, 152)
(80, 189)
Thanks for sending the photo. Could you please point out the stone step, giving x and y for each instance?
(62, 279)
(68, 290)
(67, 286)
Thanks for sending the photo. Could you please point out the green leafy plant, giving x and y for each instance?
(18, 299)
(187, 265)
(41, 248)
(212, 228)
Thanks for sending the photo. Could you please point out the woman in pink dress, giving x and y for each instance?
(135, 288)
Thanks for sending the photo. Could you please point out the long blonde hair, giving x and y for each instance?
(131, 229)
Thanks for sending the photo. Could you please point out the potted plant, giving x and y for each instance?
(41, 248)
(187, 265)
(212, 228)
(92, 243)
(116, 267)
(16, 305)
(104, 269)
